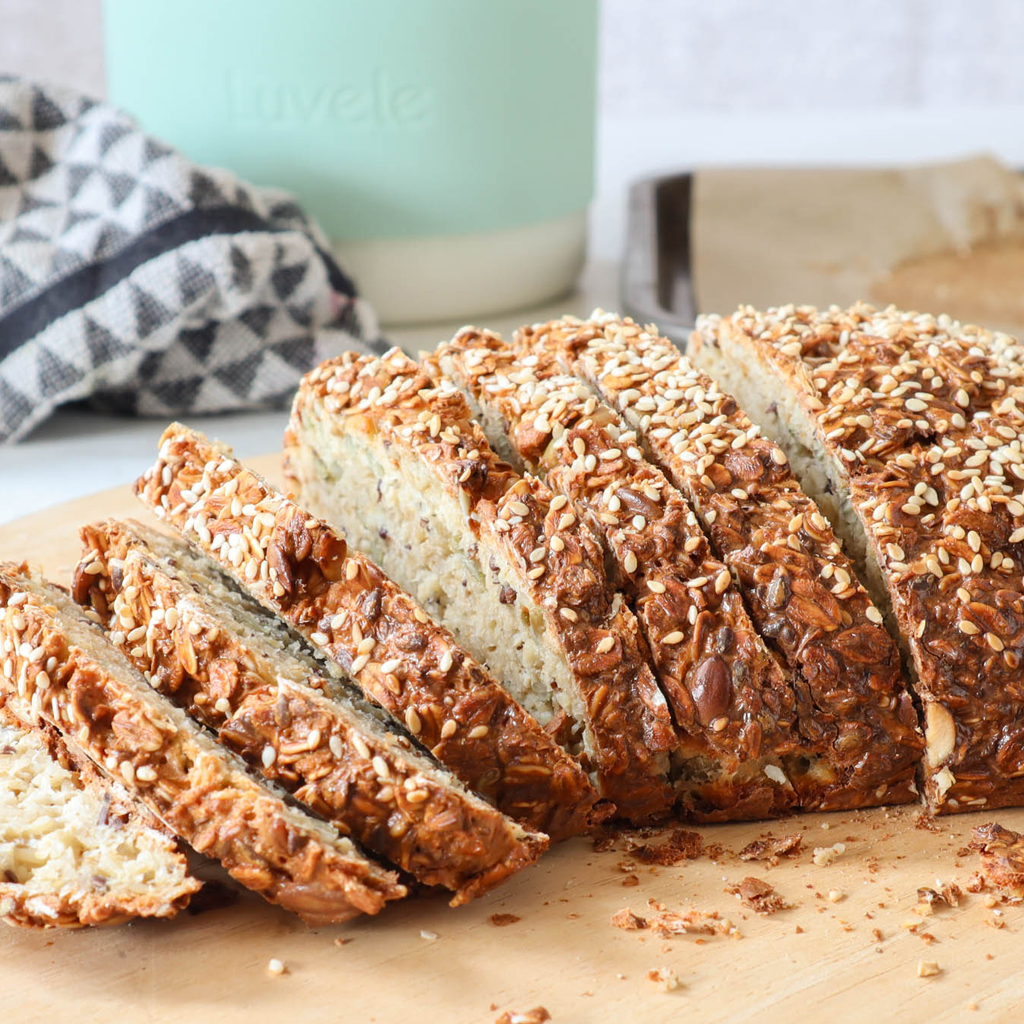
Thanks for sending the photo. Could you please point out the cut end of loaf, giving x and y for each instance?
(74, 852)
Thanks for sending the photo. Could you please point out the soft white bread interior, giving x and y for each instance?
(74, 851)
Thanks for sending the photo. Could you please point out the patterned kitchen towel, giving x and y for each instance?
(145, 284)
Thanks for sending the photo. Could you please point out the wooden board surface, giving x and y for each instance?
(817, 961)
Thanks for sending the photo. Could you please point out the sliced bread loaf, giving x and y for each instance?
(363, 627)
(240, 671)
(75, 850)
(61, 669)
(395, 461)
(726, 691)
(909, 427)
(801, 590)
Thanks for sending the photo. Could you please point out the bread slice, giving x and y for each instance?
(910, 428)
(854, 710)
(509, 568)
(75, 851)
(242, 673)
(61, 669)
(726, 691)
(362, 627)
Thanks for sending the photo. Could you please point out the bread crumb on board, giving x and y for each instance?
(501, 920)
(770, 849)
(1002, 858)
(928, 969)
(665, 978)
(825, 855)
(535, 1016)
(276, 967)
(428, 935)
(759, 896)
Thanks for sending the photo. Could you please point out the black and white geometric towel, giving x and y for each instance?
(145, 284)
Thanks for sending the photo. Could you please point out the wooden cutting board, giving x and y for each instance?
(421, 960)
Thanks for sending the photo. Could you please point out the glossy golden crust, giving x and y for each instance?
(202, 793)
(922, 416)
(315, 747)
(105, 902)
(727, 693)
(852, 707)
(558, 562)
(299, 568)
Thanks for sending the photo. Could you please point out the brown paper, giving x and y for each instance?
(944, 238)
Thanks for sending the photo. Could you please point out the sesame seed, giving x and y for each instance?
(697, 583)
(566, 520)
(873, 614)
(557, 544)
(478, 732)
(222, 705)
(360, 663)
(391, 665)
(446, 661)
(448, 729)
(145, 773)
(269, 756)
(351, 569)
(559, 501)
(313, 739)
(656, 586)
(127, 771)
(319, 638)
(629, 563)
(568, 613)
(968, 627)
(518, 508)
(412, 720)
(675, 637)
(361, 748)
(380, 766)
(605, 645)
(994, 642)
(723, 581)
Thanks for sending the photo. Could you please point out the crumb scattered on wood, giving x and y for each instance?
(929, 900)
(926, 823)
(1002, 857)
(759, 895)
(628, 921)
(428, 935)
(666, 923)
(341, 942)
(928, 969)
(771, 848)
(680, 844)
(276, 967)
(825, 855)
(665, 978)
(501, 920)
(535, 1016)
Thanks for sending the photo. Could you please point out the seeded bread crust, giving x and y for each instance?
(301, 734)
(390, 403)
(801, 590)
(727, 693)
(106, 901)
(107, 711)
(367, 630)
(919, 420)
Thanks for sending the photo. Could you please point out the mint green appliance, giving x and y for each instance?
(446, 146)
